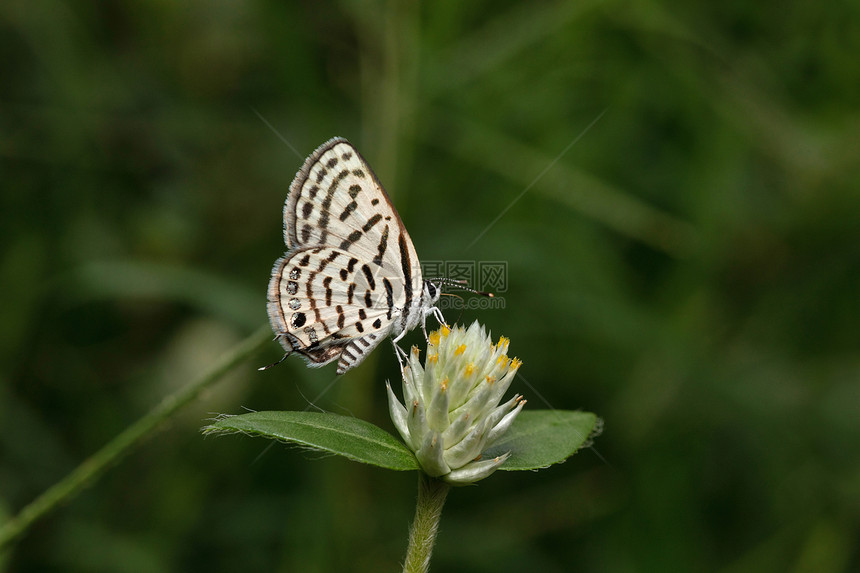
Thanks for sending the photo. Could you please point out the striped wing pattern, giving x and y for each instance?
(351, 274)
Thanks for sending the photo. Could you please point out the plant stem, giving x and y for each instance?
(96, 464)
(428, 511)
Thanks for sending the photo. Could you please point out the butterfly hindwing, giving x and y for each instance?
(357, 350)
(350, 354)
(323, 297)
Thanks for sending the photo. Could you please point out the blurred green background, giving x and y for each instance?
(688, 269)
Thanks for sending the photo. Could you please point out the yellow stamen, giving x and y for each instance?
(502, 359)
(503, 342)
(444, 384)
(470, 369)
(416, 351)
(432, 359)
(434, 338)
(445, 330)
(460, 350)
(491, 379)
(515, 363)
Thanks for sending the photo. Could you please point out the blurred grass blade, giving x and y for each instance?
(208, 292)
(540, 438)
(574, 188)
(96, 464)
(506, 34)
(345, 436)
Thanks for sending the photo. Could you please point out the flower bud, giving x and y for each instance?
(451, 411)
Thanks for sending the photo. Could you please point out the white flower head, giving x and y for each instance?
(452, 411)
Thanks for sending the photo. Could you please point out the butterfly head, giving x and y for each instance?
(432, 292)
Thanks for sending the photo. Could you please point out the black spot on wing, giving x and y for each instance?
(326, 203)
(406, 266)
(369, 276)
(352, 206)
(371, 222)
(309, 293)
(324, 263)
(380, 249)
(327, 285)
(353, 237)
(389, 296)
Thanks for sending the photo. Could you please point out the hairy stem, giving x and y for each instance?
(96, 464)
(428, 511)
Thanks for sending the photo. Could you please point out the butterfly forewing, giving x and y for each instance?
(336, 200)
(351, 275)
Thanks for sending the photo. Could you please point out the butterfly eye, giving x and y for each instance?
(431, 290)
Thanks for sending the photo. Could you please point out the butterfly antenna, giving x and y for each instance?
(462, 284)
(455, 296)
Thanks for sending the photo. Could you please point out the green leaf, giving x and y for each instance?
(540, 438)
(342, 435)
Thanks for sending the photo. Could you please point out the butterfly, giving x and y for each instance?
(350, 276)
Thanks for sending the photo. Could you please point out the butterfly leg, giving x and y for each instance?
(399, 352)
(438, 315)
(424, 330)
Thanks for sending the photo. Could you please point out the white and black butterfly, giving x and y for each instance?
(350, 276)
